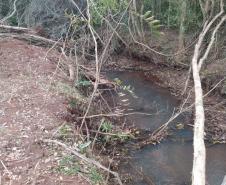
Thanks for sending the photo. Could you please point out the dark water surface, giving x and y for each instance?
(169, 163)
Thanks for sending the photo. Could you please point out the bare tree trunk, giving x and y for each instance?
(135, 20)
(199, 159)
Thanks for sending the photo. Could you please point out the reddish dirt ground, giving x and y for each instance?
(29, 112)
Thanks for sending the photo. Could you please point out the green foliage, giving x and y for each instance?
(83, 146)
(73, 103)
(118, 81)
(101, 8)
(84, 86)
(169, 12)
(83, 83)
(117, 136)
(68, 165)
(149, 19)
(106, 126)
(13, 21)
(65, 132)
(95, 176)
(112, 134)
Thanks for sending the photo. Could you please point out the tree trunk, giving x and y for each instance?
(183, 6)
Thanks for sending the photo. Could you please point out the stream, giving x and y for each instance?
(168, 163)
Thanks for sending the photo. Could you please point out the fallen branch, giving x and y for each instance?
(117, 115)
(29, 35)
(13, 29)
(84, 158)
(34, 39)
(102, 80)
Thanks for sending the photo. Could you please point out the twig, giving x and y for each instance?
(117, 115)
(5, 167)
(187, 81)
(34, 173)
(109, 134)
(98, 131)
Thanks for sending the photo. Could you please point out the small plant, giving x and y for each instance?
(68, 166)
(84, 86)
(101, 8)
(106, 126)
(118, 81)
(73, 103)
(123, 136)
(95, 176)
(65, 130)
(83, 146)
(83, 83)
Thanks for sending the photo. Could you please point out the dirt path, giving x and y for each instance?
(29, 111)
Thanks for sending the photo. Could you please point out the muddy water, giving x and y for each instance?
(170, 162)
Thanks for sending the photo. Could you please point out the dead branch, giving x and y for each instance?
(84, 158)
(89, 74)
(213, 37)
(29, 35)
(13, 29)
(116, 115)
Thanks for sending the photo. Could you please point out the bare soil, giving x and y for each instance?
(29, 112)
